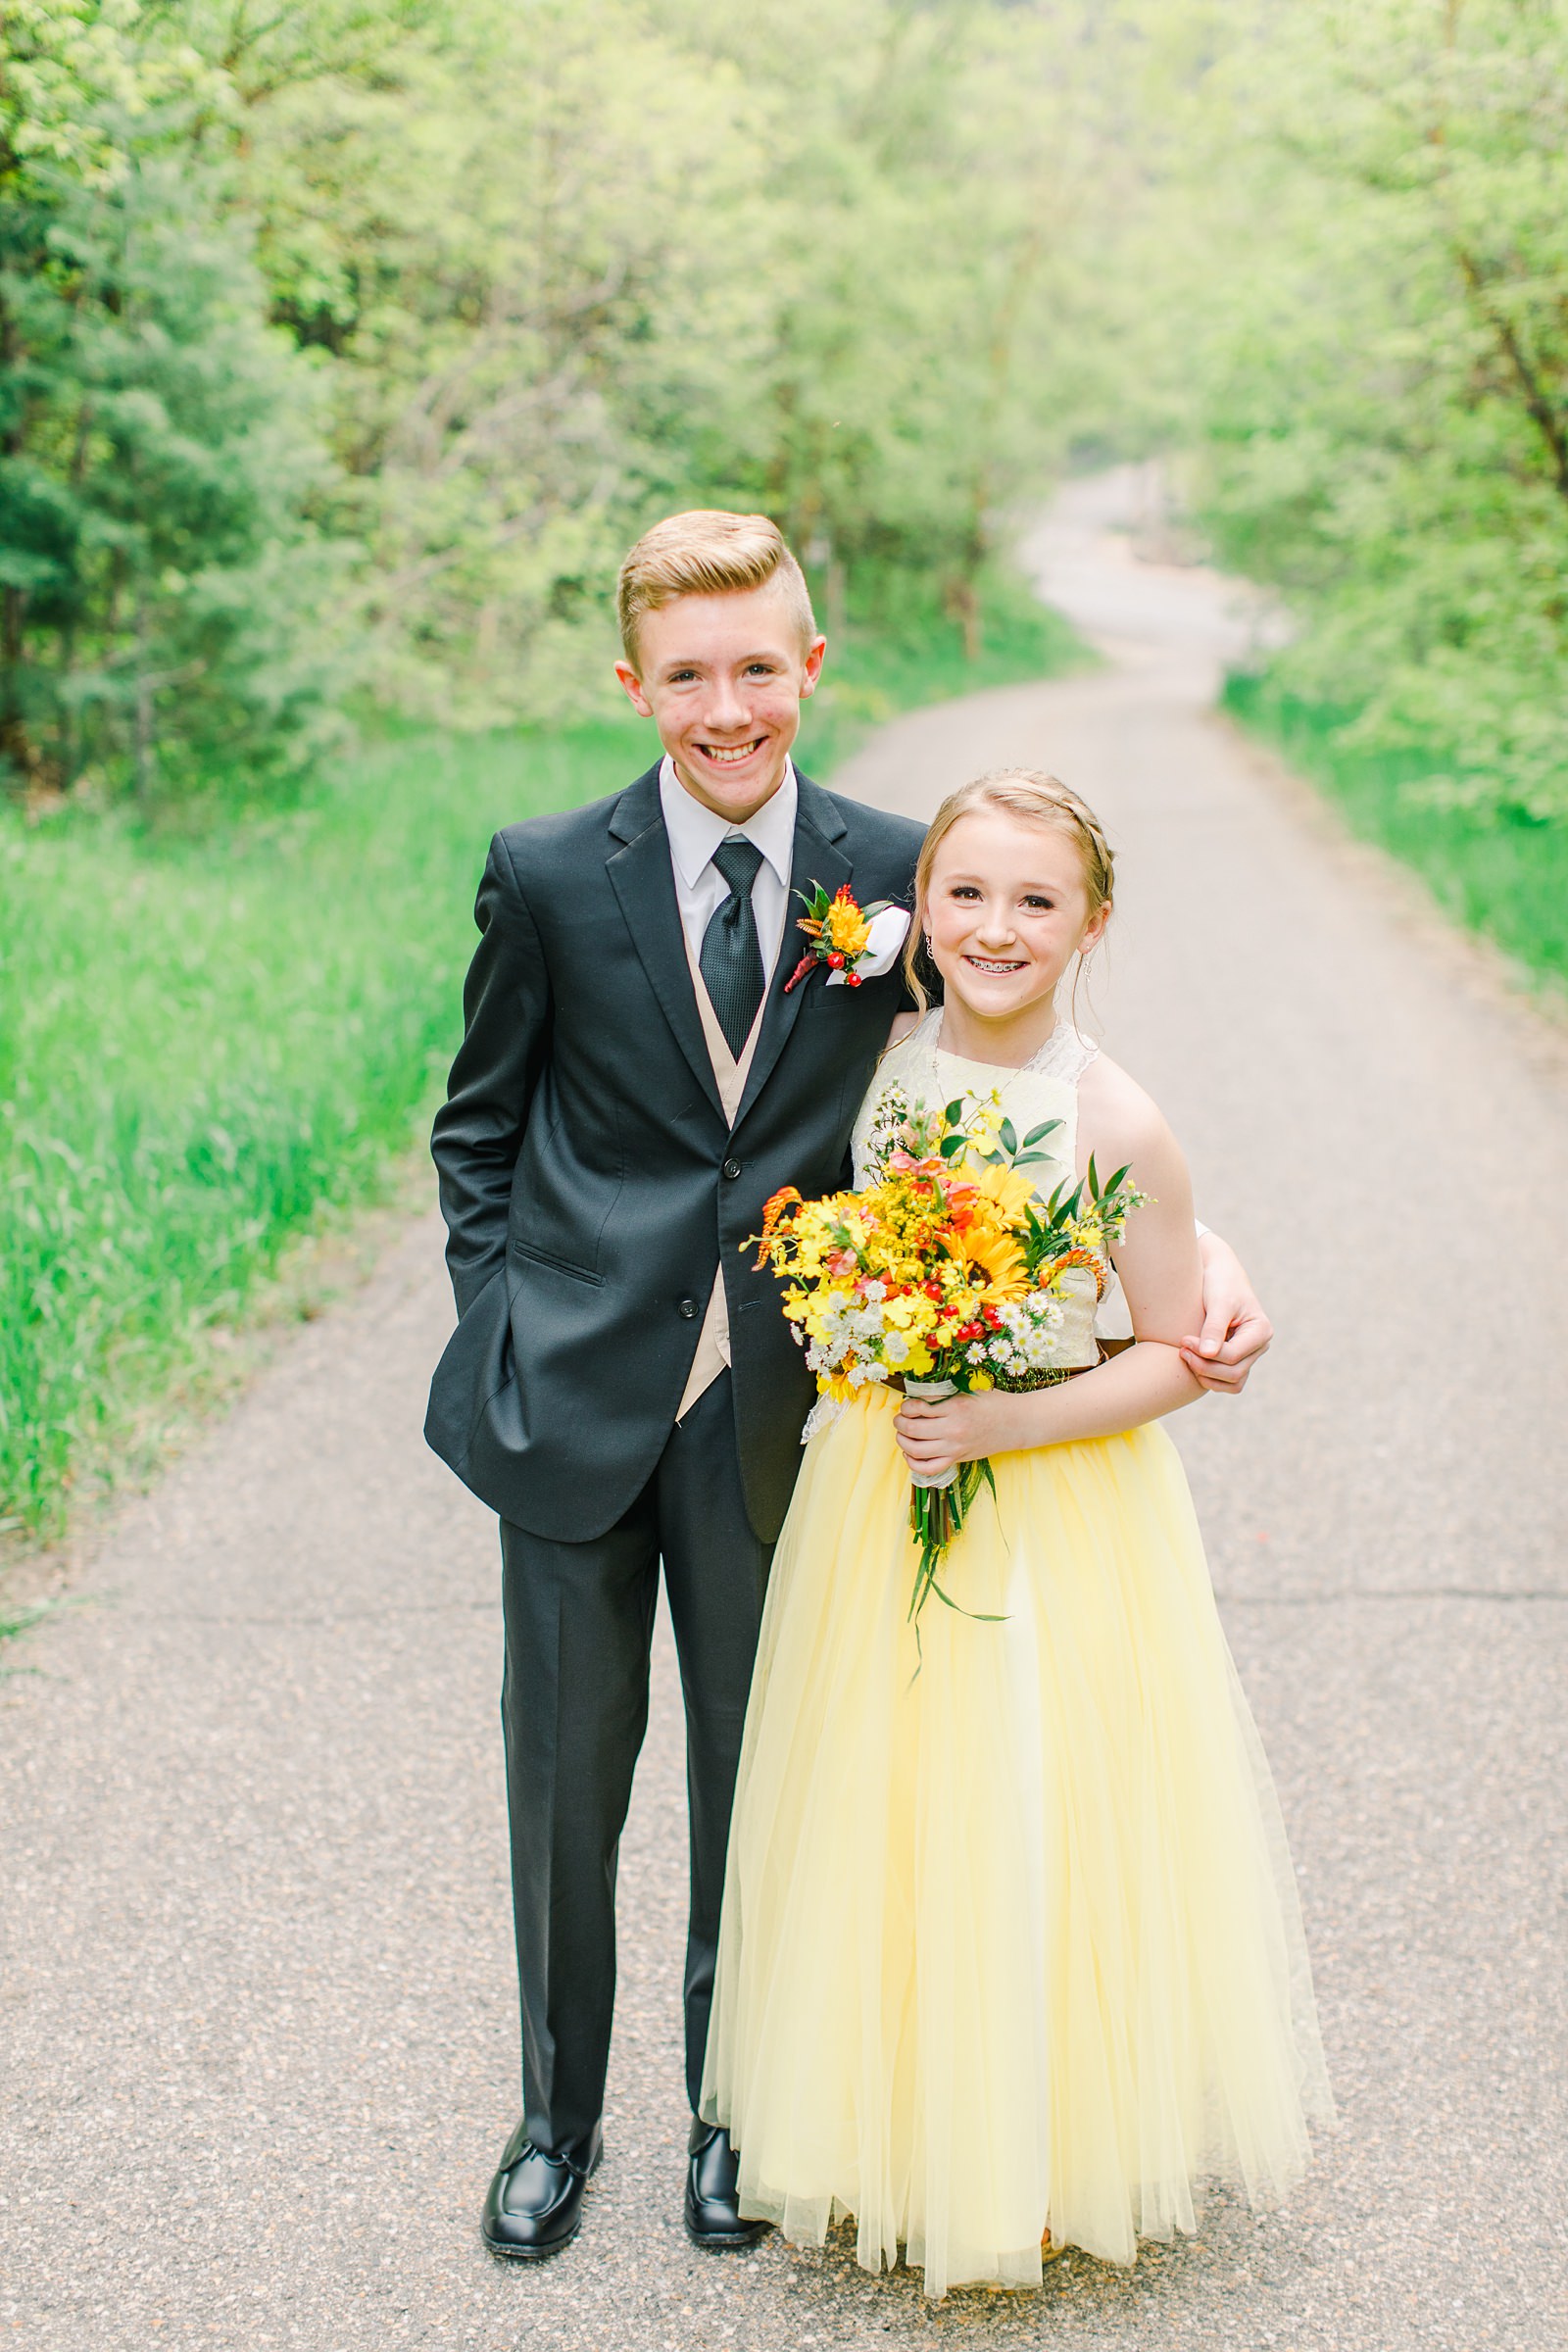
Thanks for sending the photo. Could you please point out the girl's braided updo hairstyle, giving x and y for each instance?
(1035, 799)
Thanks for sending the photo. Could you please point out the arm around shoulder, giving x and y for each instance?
(478, 1130)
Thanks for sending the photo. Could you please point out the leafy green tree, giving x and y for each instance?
(1383, 398)
(163, 585)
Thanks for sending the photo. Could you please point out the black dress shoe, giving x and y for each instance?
(535, 2203)
(713, 2207)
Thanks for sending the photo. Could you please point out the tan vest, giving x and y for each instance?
(729, 1076)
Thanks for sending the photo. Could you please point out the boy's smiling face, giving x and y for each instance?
(722, 678)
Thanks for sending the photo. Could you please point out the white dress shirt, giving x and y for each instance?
(695, 833)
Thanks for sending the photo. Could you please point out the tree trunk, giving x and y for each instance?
(144, 701)
(19, 755)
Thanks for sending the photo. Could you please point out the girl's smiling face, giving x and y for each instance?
(1006, 908)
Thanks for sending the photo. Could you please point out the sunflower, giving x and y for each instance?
(988, 1243)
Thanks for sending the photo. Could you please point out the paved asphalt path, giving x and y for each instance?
(255, 2008)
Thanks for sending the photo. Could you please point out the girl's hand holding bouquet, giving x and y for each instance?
(948, 1275)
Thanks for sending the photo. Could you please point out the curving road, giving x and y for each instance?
(255, 2016)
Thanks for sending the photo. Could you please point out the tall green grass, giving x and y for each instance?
(1499, 872)
(203, 1043)
(207, 1039)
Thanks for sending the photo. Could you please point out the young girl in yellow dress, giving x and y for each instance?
(1011, 1958)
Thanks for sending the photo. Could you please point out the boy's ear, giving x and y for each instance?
(813, 665)
(633, 687)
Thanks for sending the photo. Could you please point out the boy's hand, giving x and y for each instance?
(1236, 1332)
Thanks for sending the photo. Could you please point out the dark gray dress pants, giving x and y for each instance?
(579, 1620)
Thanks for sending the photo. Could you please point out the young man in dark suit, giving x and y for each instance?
(635, 1080)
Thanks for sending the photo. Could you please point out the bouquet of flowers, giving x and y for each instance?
(948, 1272)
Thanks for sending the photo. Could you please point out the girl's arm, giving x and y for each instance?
(1161, 1276)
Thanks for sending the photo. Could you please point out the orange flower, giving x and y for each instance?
(773, 1211)
(1074, 1257)
(846, 927)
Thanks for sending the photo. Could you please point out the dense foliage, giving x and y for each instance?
(348, 344)
(159, 443)
(1382, 405)
(345, 345)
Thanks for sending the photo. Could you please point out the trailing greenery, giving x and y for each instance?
(18, 1619)
(1496, 869)
(210, 1035)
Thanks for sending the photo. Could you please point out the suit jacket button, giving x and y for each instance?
(688, 1308)
(732, 1168)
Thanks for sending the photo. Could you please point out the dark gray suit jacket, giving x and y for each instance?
(590, 1183)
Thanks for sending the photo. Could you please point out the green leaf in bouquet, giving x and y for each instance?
(955, 1111)
(1094, 1180)
(1110, 1191)
(1037, 1135)
(1008, 1137)
(950, 1146)
(980, 1616)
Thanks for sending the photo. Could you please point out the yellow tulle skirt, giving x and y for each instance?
(1012, 1942)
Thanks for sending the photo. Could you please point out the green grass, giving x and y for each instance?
(210, 1041)
(205, 1042)
(1501, 874)
(17, 1620)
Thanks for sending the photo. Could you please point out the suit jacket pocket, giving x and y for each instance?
(556, 1265)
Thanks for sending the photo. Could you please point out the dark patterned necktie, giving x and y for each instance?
(731, 960)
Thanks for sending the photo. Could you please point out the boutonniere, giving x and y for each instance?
(855, 943)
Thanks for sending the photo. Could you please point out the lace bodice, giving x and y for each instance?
(1046, 1087)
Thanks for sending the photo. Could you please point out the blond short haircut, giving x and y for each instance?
(1034, 799)
(708, 553)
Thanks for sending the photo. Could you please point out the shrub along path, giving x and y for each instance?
(259, 2022)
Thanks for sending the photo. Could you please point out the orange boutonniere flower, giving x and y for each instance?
(854, 943)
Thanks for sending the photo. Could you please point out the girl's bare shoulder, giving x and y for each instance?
(1120, 1120)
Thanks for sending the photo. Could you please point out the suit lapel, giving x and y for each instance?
(644, 882)
(818, 831)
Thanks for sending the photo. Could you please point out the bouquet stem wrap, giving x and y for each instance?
(937, 1508)
(932, 1391)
